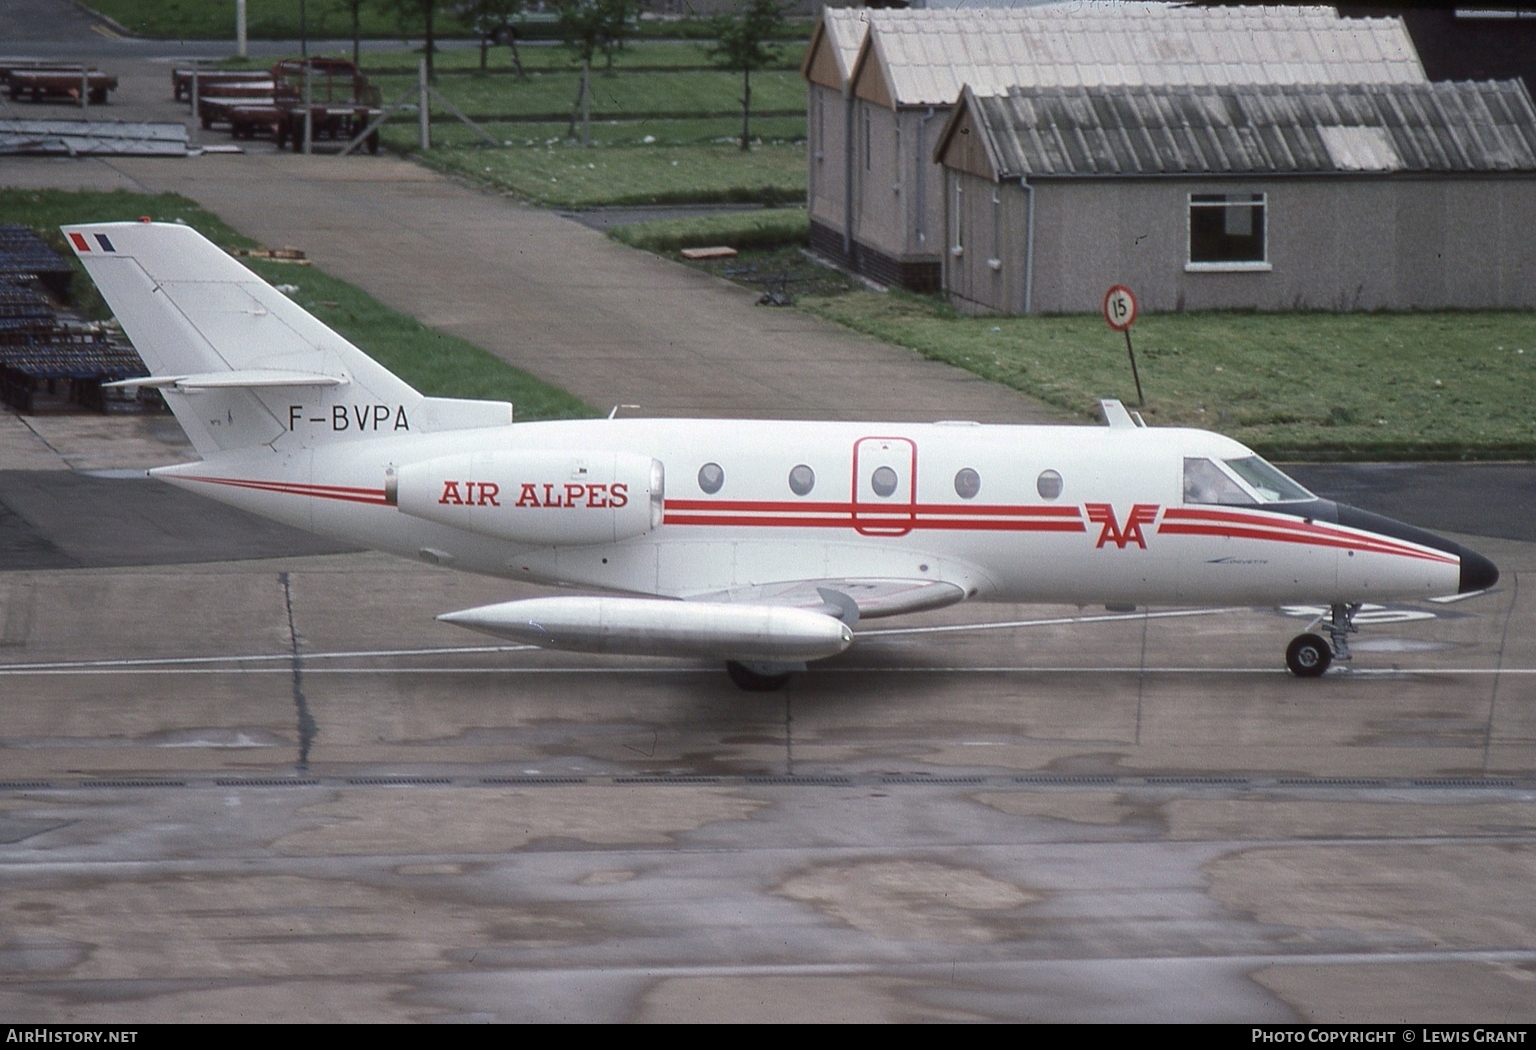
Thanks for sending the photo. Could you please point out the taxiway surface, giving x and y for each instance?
(252, 780)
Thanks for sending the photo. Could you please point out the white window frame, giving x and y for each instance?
(1234, 266)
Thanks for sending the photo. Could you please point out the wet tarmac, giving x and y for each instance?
(243, 777)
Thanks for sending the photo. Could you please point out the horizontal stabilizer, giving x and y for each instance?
(247, 379)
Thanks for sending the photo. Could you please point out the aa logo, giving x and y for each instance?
(1104, 514)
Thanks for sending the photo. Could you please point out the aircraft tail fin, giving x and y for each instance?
(239, 362)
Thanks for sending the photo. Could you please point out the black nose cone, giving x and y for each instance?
(1477, 572)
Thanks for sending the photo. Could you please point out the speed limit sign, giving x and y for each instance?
(1120, 312)
(1119, 307)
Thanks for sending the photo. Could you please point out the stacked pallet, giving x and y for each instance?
(47, 361)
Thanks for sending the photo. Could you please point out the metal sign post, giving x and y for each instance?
(309, 110)
(423, 114)
(1120, 312)
(196, 118)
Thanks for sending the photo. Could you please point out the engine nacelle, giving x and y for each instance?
(543, 498)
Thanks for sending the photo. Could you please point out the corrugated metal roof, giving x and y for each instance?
(1275, 129)
(929, 54)
(846, 28)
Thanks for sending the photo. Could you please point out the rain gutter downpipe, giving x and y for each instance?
(848, 147)
(1029, 242)
(922, 179)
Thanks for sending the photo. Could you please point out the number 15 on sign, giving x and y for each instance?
(1120, 312)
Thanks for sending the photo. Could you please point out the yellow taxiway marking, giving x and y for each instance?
(97, 27)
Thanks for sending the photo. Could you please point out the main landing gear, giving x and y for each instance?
(760, 678)
(1308, 655)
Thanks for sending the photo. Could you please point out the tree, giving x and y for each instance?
(492, 21)
(587, 28)
(354, 10)
(744, 41)
(423, 13)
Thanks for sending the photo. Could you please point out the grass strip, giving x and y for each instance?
(642, 56)
(1309, 386)
(663, 131)
(432, 362)
(770, 228)
(280, 20)
(573, 177)
(615, 96)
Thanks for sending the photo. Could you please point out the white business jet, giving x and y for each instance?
(761, 543)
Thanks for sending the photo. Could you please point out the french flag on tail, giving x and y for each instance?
(83, 245)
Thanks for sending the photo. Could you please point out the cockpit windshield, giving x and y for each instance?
(1206, 482)
(1271, 485)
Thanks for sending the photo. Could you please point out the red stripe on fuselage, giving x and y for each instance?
(346, 494)
(866, 516)
(806, 507)
(1276, 528)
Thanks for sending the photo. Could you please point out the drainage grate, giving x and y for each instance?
(809, 781)
(508, 781)
(1066, 779)
(133, 783)
(918, 779)
(1465, 782)
(267, 782)
(1201, 781)
(23, 785)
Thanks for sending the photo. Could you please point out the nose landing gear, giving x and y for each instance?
(1308, 656)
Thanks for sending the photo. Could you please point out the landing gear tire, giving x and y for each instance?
(1308, 656)
(750, 681)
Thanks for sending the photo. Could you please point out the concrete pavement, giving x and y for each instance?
(279, 790)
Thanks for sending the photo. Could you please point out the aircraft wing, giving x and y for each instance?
(849, 600)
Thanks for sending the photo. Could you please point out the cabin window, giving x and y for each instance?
(711, 478)
(868, 137)
(967, 484)
(1227, 231)
(1205, 482)
(801, 480)
(1048, 484)
(883, 481)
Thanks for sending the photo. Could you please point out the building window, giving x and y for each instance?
(1227, 232)
(868, 136)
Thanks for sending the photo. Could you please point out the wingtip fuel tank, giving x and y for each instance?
(657, 627)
